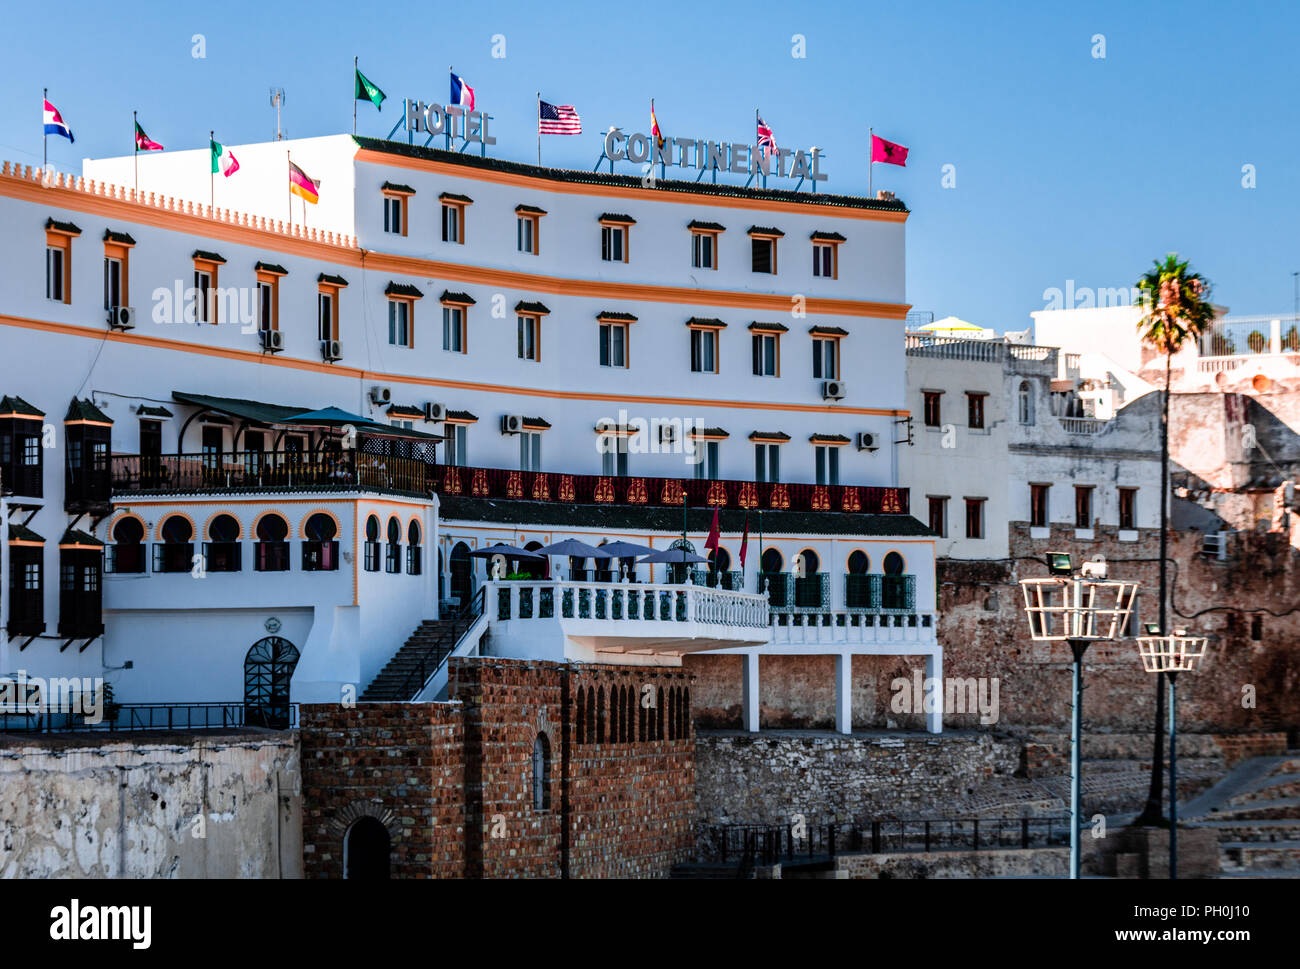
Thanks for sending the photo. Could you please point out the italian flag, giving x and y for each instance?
(222, 160)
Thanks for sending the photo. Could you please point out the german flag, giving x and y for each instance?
(303, 186)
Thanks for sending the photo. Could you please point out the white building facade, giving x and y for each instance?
(283, 442)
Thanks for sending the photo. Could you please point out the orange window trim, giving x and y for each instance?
(537, 335)
(402, 198)
(536, 219)
(273, 280)
(410, 317)
(627, 234)
(210, 267)
(121, 252)
(58, 239)
(460, 208)
(332, 290)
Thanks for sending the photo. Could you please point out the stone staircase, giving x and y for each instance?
(1255, 813)
(432, 640)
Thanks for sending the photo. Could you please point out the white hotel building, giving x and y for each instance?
(494, 338)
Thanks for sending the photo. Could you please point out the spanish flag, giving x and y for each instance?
(654, 126)
(303, 186)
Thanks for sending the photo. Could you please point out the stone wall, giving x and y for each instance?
(982, 625)
(150, 807)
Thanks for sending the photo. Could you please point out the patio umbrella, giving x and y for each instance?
(576, 549)
(674, 556)
(509, 551)
(625, 550)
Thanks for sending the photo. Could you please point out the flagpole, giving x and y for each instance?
(212, 200)
(45, 136)
(288, 170)
(760, 552)
(135, 123)
(871, 156)
(355, 68)
(539, 129)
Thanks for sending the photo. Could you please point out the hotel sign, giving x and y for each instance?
(451, 120)
(721, 156)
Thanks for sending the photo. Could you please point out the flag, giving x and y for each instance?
(222, 160)
(744, 541)
(461, 93)
(715, 536)
(302, 185)
(54, 123)
(766, 141)
(364, 90)
(654, 126)
(559, 119)
(143, 142)
(887, 152)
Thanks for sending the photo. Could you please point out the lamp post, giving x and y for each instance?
(1171, 655)
(1091, 609)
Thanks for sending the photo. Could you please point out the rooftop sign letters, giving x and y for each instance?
(721, 156)
(452, 120)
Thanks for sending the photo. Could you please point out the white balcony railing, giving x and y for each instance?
(1082, 425)
(840, 628)
(627, 604)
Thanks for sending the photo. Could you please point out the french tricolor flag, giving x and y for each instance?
(54, 123)
(461, 93)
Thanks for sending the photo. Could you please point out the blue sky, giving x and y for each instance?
(1068, 166)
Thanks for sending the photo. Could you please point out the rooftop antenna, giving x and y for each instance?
(277, 102)
(1295, 277)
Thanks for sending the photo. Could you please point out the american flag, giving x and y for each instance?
(558, 119)
(766, 143)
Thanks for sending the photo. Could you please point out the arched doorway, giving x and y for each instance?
(268, 667)
(462, 576)
(366, 848)
(808, 587)
(534, 568)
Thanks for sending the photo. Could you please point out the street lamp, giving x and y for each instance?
(1171, 655)
(1079, 608)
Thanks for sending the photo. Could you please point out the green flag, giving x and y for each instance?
(363, 90)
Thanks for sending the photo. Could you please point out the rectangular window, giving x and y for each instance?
(707, 467)
(55, 278)
(613, 344)
(764, 255)
(1038, 505)
(202, 296)
(974, 517)
(530, 451)
(526, 233)
(767, 462)
(31, 456)
(704, 351)
(457, 453)
(528, 327)
(325, 321)
(827, 459)
(825, 359)
(1082, 506)
(766, 356)
(395, 214)
(399, 323)
(824, 262)
(975, 410)
(704, 250)
(453, 329)
(613, 458)
(1128, 508)
(931, 407)
(613, 243)
(114, 291)
(452, 219)
(939, 516)
(268, 314)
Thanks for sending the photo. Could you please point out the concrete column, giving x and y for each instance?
(750, 682)
(934, 674)
(844, 692)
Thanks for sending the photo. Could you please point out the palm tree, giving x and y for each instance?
(1175, 306)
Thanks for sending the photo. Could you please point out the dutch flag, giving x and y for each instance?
(461, 93)
(54, 123)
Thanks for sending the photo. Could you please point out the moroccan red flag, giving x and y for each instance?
(744, 542)
(715, 535)
(887, 152)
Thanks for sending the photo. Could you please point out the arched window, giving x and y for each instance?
(894, 586)
(320, 547)
(686, 712)
(600, 714)
(659, 718)
(176, 554)
(590, 736)
(366, 850)
(541, 773)
(271, 550)
(534, 568)
(624, 715)
(672, 710)
(126, 554)
(221, 551)
(859, 562)
(268, 668)
(893, 564)
(413, 549)
(580, 718)
(462, 576)
(650, 714)
(857, 584)
(1026, 398)
(811, 563)
(393, 554)
(640, 716)
(719, 567)
(772, 561)
(372, 544)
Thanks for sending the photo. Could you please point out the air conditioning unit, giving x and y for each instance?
(832, 389)
(122, 318)
(272, 340)
(668, 434)
(331, 350)
(866, 442)
(381, 395)
(511, 424)
(434, 411)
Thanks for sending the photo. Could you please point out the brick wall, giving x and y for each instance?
(400, 763)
